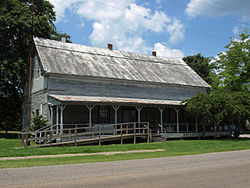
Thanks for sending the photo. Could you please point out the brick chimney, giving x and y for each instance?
(63, 37)
(153, 53)
(110, 46)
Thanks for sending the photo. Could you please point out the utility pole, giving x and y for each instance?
(30, 65)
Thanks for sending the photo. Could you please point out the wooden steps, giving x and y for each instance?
(157, 138)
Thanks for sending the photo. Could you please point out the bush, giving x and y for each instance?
(38, 122)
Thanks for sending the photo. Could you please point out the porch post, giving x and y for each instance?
(61, 110)
(139, 108)
(57, 118)
(116, 108)
(90, 107)
(51, 115)
(196, 124)
(161, 108)
(177, 120)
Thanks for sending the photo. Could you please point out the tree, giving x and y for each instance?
(239, 110)
(233, 65)
(38, 123)
(229, 99)
(219, 107)
(200, 65)
(208, 107)
(15, 35)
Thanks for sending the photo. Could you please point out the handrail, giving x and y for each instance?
(165, 130)
(43, 128)
(80, 133)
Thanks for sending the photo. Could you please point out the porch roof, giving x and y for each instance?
(96, 99)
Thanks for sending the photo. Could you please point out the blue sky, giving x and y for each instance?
(173, 28)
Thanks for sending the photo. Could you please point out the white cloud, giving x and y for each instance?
(111, 32)
(122, 22)
(103, 10)
(138, 18)
(134, 44)
(176, 30)
(60, 7)
(165, 51)
(236, 30)
(218, 8)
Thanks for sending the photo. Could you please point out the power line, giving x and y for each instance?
(191, 30)
(225, 5)
(184, 5)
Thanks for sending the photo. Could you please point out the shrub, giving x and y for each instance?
(38, 122)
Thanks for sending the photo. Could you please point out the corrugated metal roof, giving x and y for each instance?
(74, 59)
(115, 100)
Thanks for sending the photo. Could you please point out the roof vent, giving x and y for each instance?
(153, 53)
(110, 46)
(63, 38)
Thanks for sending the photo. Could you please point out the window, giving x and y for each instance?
(37, 112)
(38, 71)
(103, 114)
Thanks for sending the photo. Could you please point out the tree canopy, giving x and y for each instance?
(219, 107)
(201, 65)
(229, 98)
(233, 65)
(15, 35)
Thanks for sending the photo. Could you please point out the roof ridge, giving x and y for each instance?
(98, 54)
(103, 49)
(164, 61)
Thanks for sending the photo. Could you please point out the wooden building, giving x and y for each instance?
(74, 84)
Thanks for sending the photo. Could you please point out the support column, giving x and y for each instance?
(116, 108)
(61, 122)
(161, 108)
(177, 120)
(90, 107)
(139, 108)
(51, 116)
(57, 118)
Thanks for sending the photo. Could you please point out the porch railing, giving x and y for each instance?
(74, 133)
(188, 128)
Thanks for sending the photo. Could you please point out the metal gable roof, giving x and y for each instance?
(74, 59)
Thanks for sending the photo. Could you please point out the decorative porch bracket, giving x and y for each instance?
(139, 108)
(116, 108)
(90, 107)
(62, 107)
(161, 108)
(177, 120)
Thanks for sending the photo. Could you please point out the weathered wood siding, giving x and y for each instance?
(118, 88)
(38, 96)
(39, 82)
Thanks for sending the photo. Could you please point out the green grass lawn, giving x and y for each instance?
(173, 148)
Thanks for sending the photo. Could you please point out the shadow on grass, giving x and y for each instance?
(235, 139)
(9, 135)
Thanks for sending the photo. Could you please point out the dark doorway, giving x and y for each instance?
(129, 115)
(151, 115)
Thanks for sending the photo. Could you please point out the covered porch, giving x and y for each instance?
(166, 118)
(82, 111)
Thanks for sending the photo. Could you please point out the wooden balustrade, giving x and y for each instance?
(51, 137)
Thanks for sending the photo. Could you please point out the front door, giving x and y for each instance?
(151, 115)
(129, 115)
